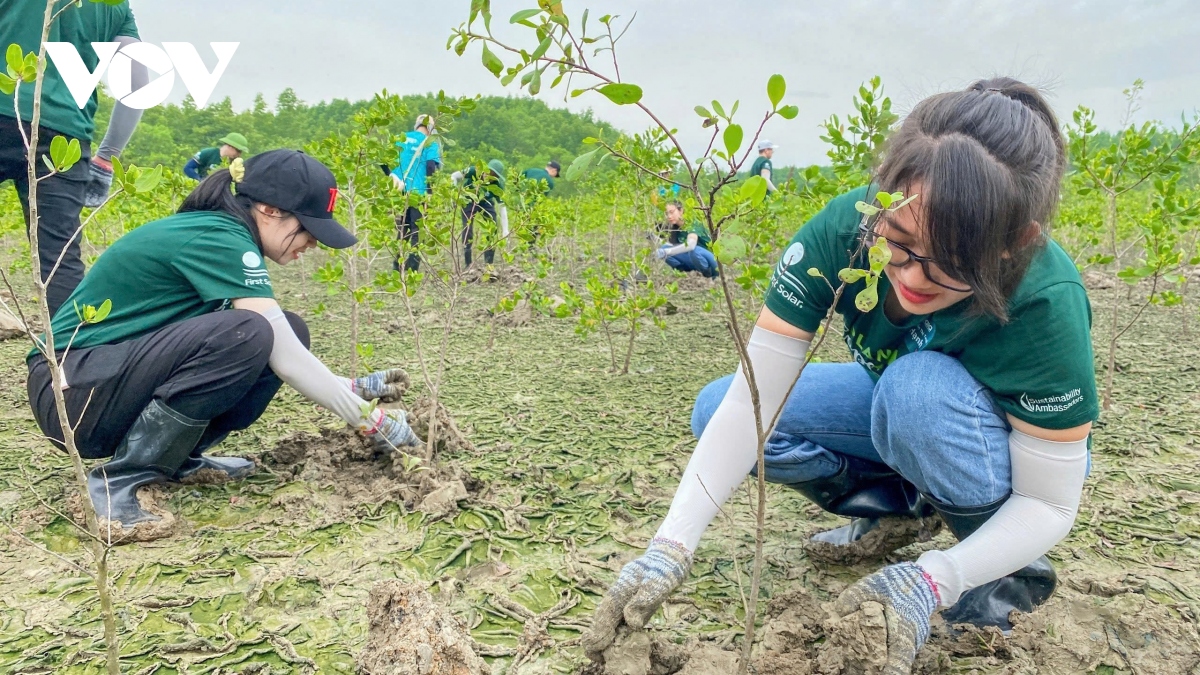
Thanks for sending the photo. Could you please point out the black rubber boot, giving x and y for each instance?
(865, 492)
(234, 468)
(152, 451)
(991, 603)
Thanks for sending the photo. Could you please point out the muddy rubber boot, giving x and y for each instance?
(991, 603)
(233, 468)
(886, 512)
(151, 452)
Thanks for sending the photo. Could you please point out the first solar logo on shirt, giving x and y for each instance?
(252, 267)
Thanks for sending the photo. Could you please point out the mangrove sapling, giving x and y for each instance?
(30, 68)
(1113, 167)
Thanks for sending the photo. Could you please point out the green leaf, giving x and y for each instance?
(716, 106)
(789, 112)
(7, 84)
(492, 62)
(535, 83)
(776, 87)
(14, 58)
(580, 164)
(729, 248)
(118, 170)
(884, 199)
(865, 208)
(703, 112)
(64, 154)
(524, 14)
(754, 190)
(149, 181)
(814, 272)
(848, 275)
(103, 311)
(621, 93)
(867, 298)
(880, 254)
(733, 139)
(542, 48)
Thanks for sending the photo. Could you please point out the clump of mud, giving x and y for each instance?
(891, 534)
(696, 282)
(409, 634)
(1112, 625)
(521, 315)
(343, 460)
(638, 652)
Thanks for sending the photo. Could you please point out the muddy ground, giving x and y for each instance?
(570, 471)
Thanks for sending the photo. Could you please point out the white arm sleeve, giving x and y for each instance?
(502, 219)
(306, 374)
(676, 250)
(766, 174)
(728, 448)
(1047, 483)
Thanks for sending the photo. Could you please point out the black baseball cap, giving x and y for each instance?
(293, 181)
(553, 165)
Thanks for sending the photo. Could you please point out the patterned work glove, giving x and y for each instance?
(385, 385)
(390, 430)
(100, 177)
(638, 592)
(909, 598)
(660, 253)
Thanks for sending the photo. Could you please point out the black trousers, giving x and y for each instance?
(60, 199)
(406, 229)
(470, 211)
(213, 367)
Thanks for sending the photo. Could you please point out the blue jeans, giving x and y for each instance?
(926, 418)
(697, 260)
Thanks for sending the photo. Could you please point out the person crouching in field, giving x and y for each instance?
(686, 249)
(972, 395)
(232, 146)
(196, 345)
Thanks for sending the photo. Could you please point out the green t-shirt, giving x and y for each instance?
(1038, 365)
(164, 272)
(540, 174)
(676, 237)
(761, 163)
(21, 23)
(207, 160)
(492, 190)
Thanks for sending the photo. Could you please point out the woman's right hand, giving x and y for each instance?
(642, 587)
(391, 431)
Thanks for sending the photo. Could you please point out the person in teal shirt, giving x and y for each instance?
(62, 196)
(971, 394)
(232, 146)
(420, 157)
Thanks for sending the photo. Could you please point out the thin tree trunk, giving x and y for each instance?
(629, 351)
(1110, 218)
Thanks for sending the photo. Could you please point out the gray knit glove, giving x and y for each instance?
(100, 178)
(386, 385)
(909, 598)
(390, 431)
(638, 592)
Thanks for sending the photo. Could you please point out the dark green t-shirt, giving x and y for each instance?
(1038, 365)
(761, 163)
(679, 236)
(540, 174)
(164, 272)
(492, 190)
(21, 23)
(207, 160)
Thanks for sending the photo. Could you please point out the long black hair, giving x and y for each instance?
(990, 160)
(214, 193)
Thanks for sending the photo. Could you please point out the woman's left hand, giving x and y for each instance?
(909, 598)
(386, 385)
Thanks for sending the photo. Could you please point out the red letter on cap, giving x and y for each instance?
(332, 199)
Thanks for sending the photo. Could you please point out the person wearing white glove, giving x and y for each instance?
(972, 392)
(196, 345)
(686, 248)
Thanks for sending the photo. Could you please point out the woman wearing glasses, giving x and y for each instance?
(972, 394)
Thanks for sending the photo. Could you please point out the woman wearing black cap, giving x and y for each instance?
(195, 345)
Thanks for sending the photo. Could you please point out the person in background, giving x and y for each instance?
(762, 164)
(485, 197)
(420, 157)
(686, 249)
(62, 196)
(196, 345)
(232, 146)
(545, 176)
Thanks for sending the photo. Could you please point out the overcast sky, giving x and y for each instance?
(687, 52)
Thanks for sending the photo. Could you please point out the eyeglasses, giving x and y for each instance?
(902, 256)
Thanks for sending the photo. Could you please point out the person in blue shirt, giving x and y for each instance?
(420, 158)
